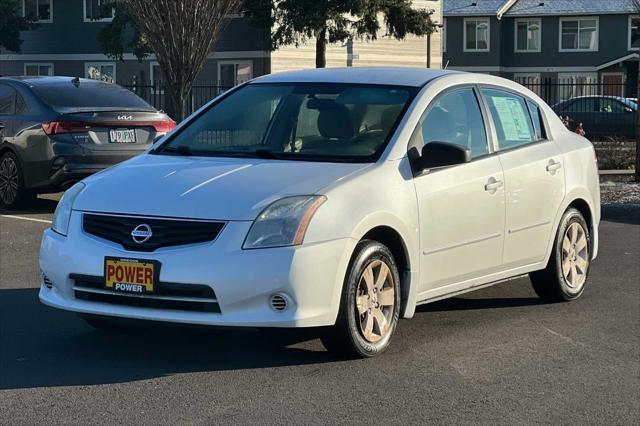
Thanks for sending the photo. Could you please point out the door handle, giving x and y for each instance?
(1, 125)
(553, 166)
(493, 185)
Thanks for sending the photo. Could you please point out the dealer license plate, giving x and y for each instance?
(130, 275)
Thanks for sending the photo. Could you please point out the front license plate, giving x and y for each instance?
(122, 136)
(130, 275)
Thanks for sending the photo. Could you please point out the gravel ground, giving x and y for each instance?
(620, 193)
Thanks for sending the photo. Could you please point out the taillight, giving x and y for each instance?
(57, 127)
(164, 126)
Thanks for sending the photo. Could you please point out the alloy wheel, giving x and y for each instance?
(575, 256)
(8, 180)
(375, 300)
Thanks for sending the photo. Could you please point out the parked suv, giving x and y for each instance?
(54, 131)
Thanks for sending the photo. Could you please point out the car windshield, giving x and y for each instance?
(321, 122)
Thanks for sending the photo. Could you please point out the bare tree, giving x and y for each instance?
(181, 33)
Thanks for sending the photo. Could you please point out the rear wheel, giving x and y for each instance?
(370, 304)
(12, 191)
(566, 273)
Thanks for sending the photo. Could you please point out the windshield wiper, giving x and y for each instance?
(267, 153)
(180, 150)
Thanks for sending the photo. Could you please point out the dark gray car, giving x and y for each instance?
(55, 131)
(602, 117)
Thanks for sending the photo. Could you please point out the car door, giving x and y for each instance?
(533, 176)
(461, 207)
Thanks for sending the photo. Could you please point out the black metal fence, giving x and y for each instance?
(201, 93)
(603, 109)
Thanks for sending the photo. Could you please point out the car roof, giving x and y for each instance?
(619, 98)
(34, 81)
(398, 76)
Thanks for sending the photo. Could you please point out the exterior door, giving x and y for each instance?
(533, 175)
(461, 207)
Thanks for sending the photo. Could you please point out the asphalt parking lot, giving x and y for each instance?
(494, 356)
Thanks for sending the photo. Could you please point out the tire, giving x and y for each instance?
(565, 276)
(13, 194)
(366, 320)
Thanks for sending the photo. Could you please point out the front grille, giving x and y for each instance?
(181, 297)
(165, 232)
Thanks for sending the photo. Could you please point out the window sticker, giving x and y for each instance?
(513, 118)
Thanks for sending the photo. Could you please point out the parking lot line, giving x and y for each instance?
(25, 218)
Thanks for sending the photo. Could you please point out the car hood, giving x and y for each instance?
(204, 188)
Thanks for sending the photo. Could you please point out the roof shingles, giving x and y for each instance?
(534, 7)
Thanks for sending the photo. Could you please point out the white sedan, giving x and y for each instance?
(336, 198)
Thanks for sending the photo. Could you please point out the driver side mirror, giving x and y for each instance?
(441, 154)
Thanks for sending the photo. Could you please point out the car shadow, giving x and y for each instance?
(621, 213)
(44, 347)
(38, 206)
(463, 304)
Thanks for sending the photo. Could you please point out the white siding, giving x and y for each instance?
(411, 52)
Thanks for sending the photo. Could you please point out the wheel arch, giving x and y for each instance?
(580, 200)
(394, 237)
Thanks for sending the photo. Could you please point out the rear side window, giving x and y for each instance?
(611, 106)
(90, 96)
(455, 117)
(7, 100)
(511, 117)
(538, 123)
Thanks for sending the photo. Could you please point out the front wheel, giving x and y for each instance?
(370, 304)
(566, 273)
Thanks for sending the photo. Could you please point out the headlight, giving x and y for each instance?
(284, 222)
(62, 215)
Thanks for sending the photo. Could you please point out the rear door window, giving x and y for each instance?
(511, 117)
(90, 96)
(538, 123)
(7, 100)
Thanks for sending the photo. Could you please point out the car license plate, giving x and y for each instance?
(130, 275)
(122, 136)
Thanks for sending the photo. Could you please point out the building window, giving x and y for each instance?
(232, 73)
(476, 34)
(94, 11)
(38, 69)
(528, 35)
(531, 81)
(40, 10)
(634, 32)
(156, 78)
(103, 71)
(572, 85)
(578, 34)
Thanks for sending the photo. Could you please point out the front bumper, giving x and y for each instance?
(309, 276)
